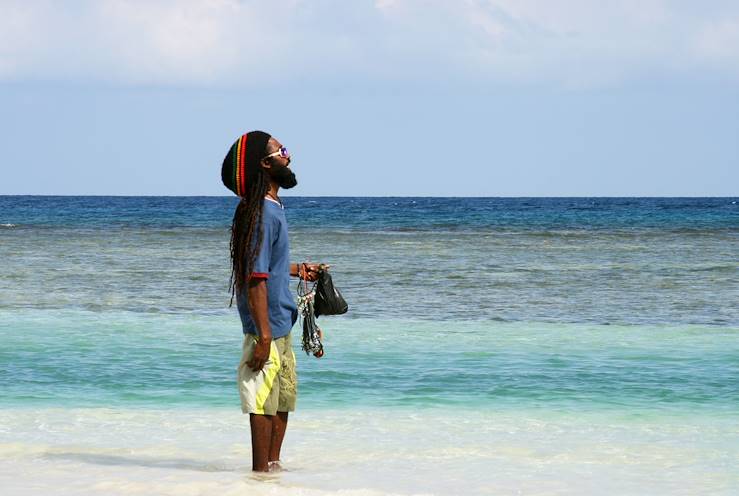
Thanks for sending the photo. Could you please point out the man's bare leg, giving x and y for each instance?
(261, 432)
(279, 426)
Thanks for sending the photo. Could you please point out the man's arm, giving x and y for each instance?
(259, 310)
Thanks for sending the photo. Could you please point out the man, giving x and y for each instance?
(255, 168)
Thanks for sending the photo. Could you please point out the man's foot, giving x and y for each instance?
(274, 466)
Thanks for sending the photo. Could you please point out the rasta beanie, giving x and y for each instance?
(242, 161)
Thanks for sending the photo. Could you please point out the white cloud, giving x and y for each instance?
(718, 43)
(17, 39)
(174, 40)
(224, 42)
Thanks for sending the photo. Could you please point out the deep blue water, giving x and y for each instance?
(399, 214)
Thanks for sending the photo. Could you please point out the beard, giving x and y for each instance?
(283, 176)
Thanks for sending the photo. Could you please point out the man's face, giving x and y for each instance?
(278, 167)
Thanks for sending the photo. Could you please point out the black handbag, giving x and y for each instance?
(328, 299)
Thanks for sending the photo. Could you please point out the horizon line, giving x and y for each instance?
(358, 196)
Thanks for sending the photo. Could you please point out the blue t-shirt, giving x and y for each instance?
(272, 263)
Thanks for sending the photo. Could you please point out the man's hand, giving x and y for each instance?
(261, 353)
(309, 271)
(258, 308)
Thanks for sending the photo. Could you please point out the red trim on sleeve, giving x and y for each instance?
(259, 275)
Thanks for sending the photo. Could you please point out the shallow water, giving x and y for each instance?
(371, 451)
(82, 358)
(493, 346)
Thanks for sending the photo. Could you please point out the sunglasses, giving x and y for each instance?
(282, 152)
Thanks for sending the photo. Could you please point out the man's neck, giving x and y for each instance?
(273, 190)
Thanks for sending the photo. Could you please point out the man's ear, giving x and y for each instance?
(265, 164)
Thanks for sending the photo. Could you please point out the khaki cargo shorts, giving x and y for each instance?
(274, 388)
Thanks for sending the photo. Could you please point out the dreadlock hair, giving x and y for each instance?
(243, 175)
(246, 232)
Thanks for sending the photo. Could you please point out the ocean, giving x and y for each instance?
(492, 346)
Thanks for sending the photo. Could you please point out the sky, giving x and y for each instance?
(373, 98)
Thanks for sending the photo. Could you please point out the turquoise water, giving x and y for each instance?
(124, 359)
(492, 346)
